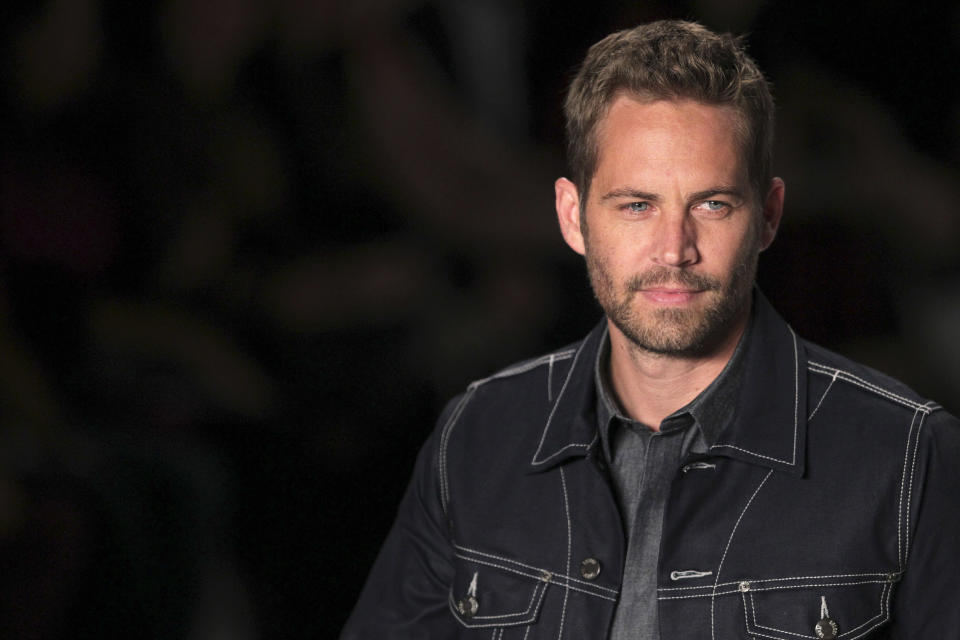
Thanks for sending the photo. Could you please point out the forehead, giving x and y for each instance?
(656, 140)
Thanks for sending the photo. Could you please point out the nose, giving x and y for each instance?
(675, 244)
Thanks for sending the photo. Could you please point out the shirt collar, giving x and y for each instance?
(712, 409)
(763, 410)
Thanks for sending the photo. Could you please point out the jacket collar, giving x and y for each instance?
(769, 425)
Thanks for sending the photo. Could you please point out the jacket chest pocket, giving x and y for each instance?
(485, 596)
(849, 607)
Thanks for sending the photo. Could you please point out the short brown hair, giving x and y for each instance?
(669, 59)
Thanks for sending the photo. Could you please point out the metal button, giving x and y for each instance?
(468, 606)
(744, 586)
(826, 629)
(590, 568)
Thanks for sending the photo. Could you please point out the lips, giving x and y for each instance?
(670, 295)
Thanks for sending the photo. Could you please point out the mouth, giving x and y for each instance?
(670, 295)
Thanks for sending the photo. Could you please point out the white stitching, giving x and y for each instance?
(550, 380)
(883, 593)
(817, 367)
(846, 376)
(758, 455)
(452, 605)
(546, 427)
(796, 411)
(778, 588)
(444, 440)
(746, 621)
(913, 467)
(796, 392)
(555, 578)
(882, 574)
(533, 597)
(823, 397)
(698, 595)
(564, 448)
(727, 548)
(689, 573)
(884, 613)
(471, 388)
(523, 367)
(537, 569)
(817, 584)
(536, 576)
(903, 484)
(566, 593)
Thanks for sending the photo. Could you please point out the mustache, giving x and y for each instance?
(663, 276)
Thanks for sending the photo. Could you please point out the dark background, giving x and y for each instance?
(249, 249)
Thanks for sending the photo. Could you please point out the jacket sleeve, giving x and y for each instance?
(406, 593)
(925, 601)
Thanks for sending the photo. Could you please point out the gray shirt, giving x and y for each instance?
(643, 462)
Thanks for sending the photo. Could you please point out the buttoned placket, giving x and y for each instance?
(644, 464)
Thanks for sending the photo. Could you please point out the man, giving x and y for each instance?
(691, 469)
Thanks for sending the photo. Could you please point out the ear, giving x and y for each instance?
(568, 213)
(772, 212)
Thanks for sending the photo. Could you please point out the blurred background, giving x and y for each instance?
(248, 249)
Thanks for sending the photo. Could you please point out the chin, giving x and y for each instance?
(677, 332)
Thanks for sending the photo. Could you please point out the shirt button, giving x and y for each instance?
(468, 606)
(590, 568)
(826, 629)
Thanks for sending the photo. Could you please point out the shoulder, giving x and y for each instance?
(857, 390)
(524, 384)
(522, 372)
(864, 380)
(518, 397)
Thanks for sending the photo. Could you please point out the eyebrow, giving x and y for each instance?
(636, 194)
(627, 192)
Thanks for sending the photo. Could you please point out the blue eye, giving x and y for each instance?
(638, 207)
(714, 208)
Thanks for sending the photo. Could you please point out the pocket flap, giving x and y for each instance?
(789, 611)
(485, 596)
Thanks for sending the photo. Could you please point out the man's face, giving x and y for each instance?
(672, 228)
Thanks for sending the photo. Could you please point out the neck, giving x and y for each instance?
(650, 386)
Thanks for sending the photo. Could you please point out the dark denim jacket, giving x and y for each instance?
(835, 491)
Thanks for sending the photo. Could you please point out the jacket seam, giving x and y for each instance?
(846, 376)
(540, 571)
(884, 614)
(727, 548)
(500, 623)
(530, 605)
(903, 511)
(828, 576)
(444, 442)
(823, 397)
(785, 587)
(566, 587)
(563, 580)
(524, 367)
(458, 411)
(913, 474)
(553, 410)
